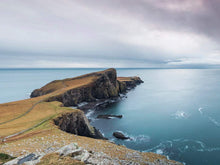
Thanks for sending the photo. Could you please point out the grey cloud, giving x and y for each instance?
(202, 19)
(94, 31)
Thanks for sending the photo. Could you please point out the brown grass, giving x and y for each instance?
(55, 159)
(11, 110)
(67, 84)
(42, 111)
(124, 78)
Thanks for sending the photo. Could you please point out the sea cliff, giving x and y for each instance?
(100, 85)
(45, 123)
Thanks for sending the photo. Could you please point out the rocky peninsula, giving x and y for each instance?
(42, 125)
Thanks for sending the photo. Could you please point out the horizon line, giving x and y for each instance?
(114, 67)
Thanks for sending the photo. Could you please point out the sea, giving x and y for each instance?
(175, 112)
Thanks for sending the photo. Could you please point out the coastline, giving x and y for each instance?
(63, 95)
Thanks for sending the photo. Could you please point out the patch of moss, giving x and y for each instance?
(4, 158)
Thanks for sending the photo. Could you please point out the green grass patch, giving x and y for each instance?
(5, 158)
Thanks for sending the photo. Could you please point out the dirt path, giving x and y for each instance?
(29, 110)
(32, 107)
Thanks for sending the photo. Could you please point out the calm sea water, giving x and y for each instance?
(175, 112)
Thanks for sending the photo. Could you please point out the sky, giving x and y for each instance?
(109, 33)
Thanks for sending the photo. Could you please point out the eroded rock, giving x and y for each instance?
(77, 123)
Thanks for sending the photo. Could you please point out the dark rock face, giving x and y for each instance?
(109, 116)
(77, 123)
(120, 135)
(134, 82)
(106, 86)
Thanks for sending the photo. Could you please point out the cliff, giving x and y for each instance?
(100, 85)
(86, 88)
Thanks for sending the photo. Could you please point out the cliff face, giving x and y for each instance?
(78, 124)
(87, 88)
(103, 85)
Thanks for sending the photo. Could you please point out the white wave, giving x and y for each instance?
(140, 138)
(200, 143)
(82, 104)
(159, 151)
(89, 114)
(214, 121)
(170, 147)
(180, 115)
(200, 110)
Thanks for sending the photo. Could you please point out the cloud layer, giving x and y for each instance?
(104, 33)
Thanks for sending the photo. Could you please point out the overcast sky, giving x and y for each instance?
(110, 33)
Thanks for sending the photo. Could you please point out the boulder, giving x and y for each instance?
(120, 135)
(68, 149)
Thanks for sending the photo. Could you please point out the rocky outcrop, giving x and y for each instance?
(126, 83)
(88, 157)
(103, 86)
(77, 123)
(76, 154)
(133, 82)
(120, 135)
(73, 154)
(109, 116)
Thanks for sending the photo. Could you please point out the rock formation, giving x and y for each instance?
(77, 123)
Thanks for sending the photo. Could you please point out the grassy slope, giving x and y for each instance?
(25, 114)
(33, 116)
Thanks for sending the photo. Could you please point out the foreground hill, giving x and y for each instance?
(44, 123)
